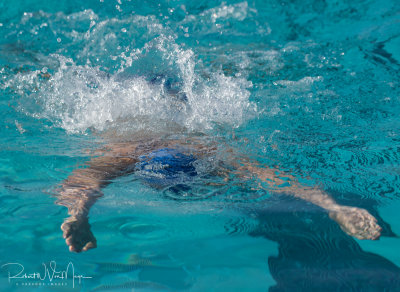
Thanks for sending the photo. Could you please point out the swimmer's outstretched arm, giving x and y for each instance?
(82, 189)
(354, 221)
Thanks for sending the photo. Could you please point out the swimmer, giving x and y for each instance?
(173, 156)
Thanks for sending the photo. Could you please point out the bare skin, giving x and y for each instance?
(354, 221)
(83, 187)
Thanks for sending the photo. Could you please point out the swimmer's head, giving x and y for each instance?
(173, 87)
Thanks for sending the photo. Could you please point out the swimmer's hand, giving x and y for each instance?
(77, 234)
(356, 222)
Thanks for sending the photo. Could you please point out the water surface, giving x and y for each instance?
(311, 87)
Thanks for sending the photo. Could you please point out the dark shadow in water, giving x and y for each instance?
(316, 255)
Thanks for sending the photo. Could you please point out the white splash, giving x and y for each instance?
(126, 74)
(82, 97)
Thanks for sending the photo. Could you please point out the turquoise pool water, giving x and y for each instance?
(311, 87)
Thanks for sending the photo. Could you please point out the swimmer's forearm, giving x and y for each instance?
(354, 221)
(288, 184)
(82, 189)
(77, 201)
(314, 195)
(79, 192)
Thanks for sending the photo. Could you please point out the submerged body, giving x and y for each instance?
(171, 162)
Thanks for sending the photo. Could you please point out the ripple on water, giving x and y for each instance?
(182, 192)
(5, 202)
(31, 210)
(241, 225)
(144, 231)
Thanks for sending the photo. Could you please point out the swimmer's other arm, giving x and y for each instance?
(82, 189)
(354, 221)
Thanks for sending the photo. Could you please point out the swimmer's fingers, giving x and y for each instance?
(67, 229)
(367, 227)
(78, 235)
(357, 222)
(75, 246)
(89, 245)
